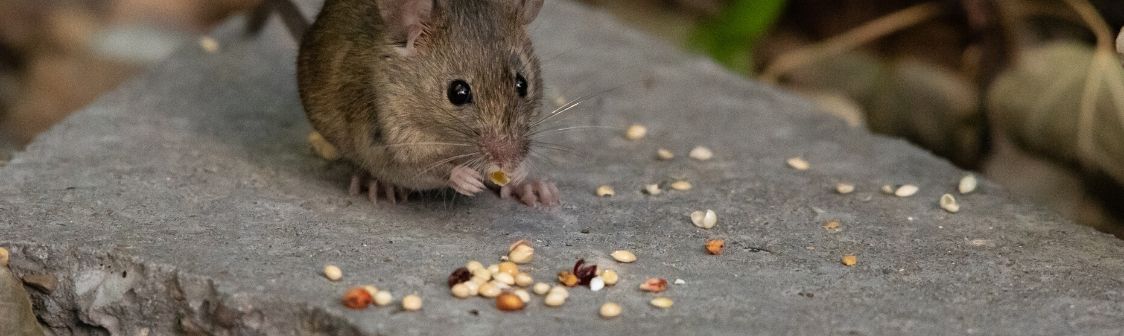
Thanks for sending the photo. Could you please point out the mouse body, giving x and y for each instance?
(427, 94)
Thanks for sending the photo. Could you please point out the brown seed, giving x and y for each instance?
(509, 267)
(568, 279)
(833, 225)
(850, 260)
(508, 301)
(654, 285)
(715, 246)
(459, 275)
(499, 177)
(357, 298)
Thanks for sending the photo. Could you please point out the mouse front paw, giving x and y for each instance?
(466, 181)
(533, 193)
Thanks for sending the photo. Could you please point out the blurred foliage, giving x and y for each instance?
(730, 37)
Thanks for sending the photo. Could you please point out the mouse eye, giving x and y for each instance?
(521, 85)
(460, 93)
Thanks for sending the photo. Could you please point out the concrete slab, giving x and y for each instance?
(188, 202)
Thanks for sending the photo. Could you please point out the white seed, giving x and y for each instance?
(636, 132)
(596, 284)
(623, 256)
(460, 291)
(610, 310)
(412, 302)
(680, 282)
(521, 254)
(605, 191)
(887, 189)
(474, 265)
(906, 190)
(681, 185)
(661, 302)
(541, 288)
(524, 280)
(799, 163)
(209, 44)
(652, 189)
(523, 295)
(493, 268)
(481, 275)
(701, 153)
(333, 272)
(383, 298)
(948, 203)
(844, 188)
(705, 220)
(504, 278)
(554, 300)
(489, 290)
(559, 290)
(610, 277)
(664, 154)
(371, 290)
(473, 287)
(968, 184)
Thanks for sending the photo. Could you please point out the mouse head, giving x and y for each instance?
(463, 71)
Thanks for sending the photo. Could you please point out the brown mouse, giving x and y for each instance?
(427, 94)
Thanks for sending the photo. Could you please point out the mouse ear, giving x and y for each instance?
(405, 20)
(528, 9)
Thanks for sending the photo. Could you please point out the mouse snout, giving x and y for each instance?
(504, 152)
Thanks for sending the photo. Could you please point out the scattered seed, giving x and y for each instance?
(652, 189)
(664, 154)
(458, 276)
(460, 291)
(610, 277)
(481, 275)
(383, 298)
(322, 147)
(948, 203)
(968, 184)
(209, 44)
(799, 163)
(568, 279)
(5, 257)
(474, 265)
(489, 290)
(605, 191)
(554, 300)
(623, 256)
(596, 284)
(333, 272)
(584, 272)
(610, 310)
(509, 268)
(371, 290)
(701, 153)
(412, 302)
(906, 190)
(661, 302)
(705, 220)
(522, 254)
(715, 246)
(357, 298)
(504, 278)
(559, 290)
(681, 185)
(844, 188)
(654, 285)
(850, 260)
(541, 288)
(523, 295)
(509, 302)
(636, 132)
(473, 287)
(680, 282)
(833, 225)
(523, 280)
(887, 189)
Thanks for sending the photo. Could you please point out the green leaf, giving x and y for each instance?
(730, 37)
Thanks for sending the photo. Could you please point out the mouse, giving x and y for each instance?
(426, 94)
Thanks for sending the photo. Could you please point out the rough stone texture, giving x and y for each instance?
(188, 201)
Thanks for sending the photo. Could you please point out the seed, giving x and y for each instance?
(661, 302)
(799, 163)
(948, 203)
(5, 256)
(460, 291)
(412, 302)
(509, 268)
(509, 302)
(664, 154)
(499, 177)
(850, 260)
(493, 268)
(833, 225)
(458, 276)
(610, 310)
(680, 282)
(596, 284)
(490, 290)
(652, 189)
(383, 298)
(474, 265)
(333, 272)
(906, 190)
(715, 246)
(705, 220)
(524, 280)
(209, 44)
(371, 290)
(681, 185)
(357, 298)
(554, 300)
(473, 287)
(968, 184)
(610, 277)
(701, 153)
(605, 191)
(654, 285)
(504, 278)
(887, 189)
(541, 288)
(559, 290)
(523, 295)
(844, 188)
(636, 132)
(568, 279)
(623, 256)
(322, 147)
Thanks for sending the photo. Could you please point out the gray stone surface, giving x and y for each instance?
(188, 201)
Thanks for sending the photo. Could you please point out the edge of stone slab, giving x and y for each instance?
(92, 291)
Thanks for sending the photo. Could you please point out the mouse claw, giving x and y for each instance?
(533, 193)
(390, 192)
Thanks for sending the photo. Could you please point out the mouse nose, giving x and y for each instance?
(504, 152)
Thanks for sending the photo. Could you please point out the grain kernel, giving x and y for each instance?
(948, 203)
(968, 184)
(844, 188)
(5, 257)
(554, 300)
(887, 189)
(523, 295)
(333, 272)
(412, 302)
(541, 288)
(705, 220)
(906, 190)
(474, 265)
(661, 302)
(654, 285)
(568, 279)
(509, 302)
(610, 277)
(664, 154)
(715, 246)
(383, 298)
(833, 225)
(681, 185)
(504, 278)
(357, 298)
(523, 280)
(596, 284)
(623, 256)
(798, 163)
(850, 260)
(209, 44)
(701, 153)
(460, 291)
(652, 189)
(610, 310)
(509, 268)
(490, 289)
(605, 191)
(636, 132)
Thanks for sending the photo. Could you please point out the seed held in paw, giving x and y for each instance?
(499, 177)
